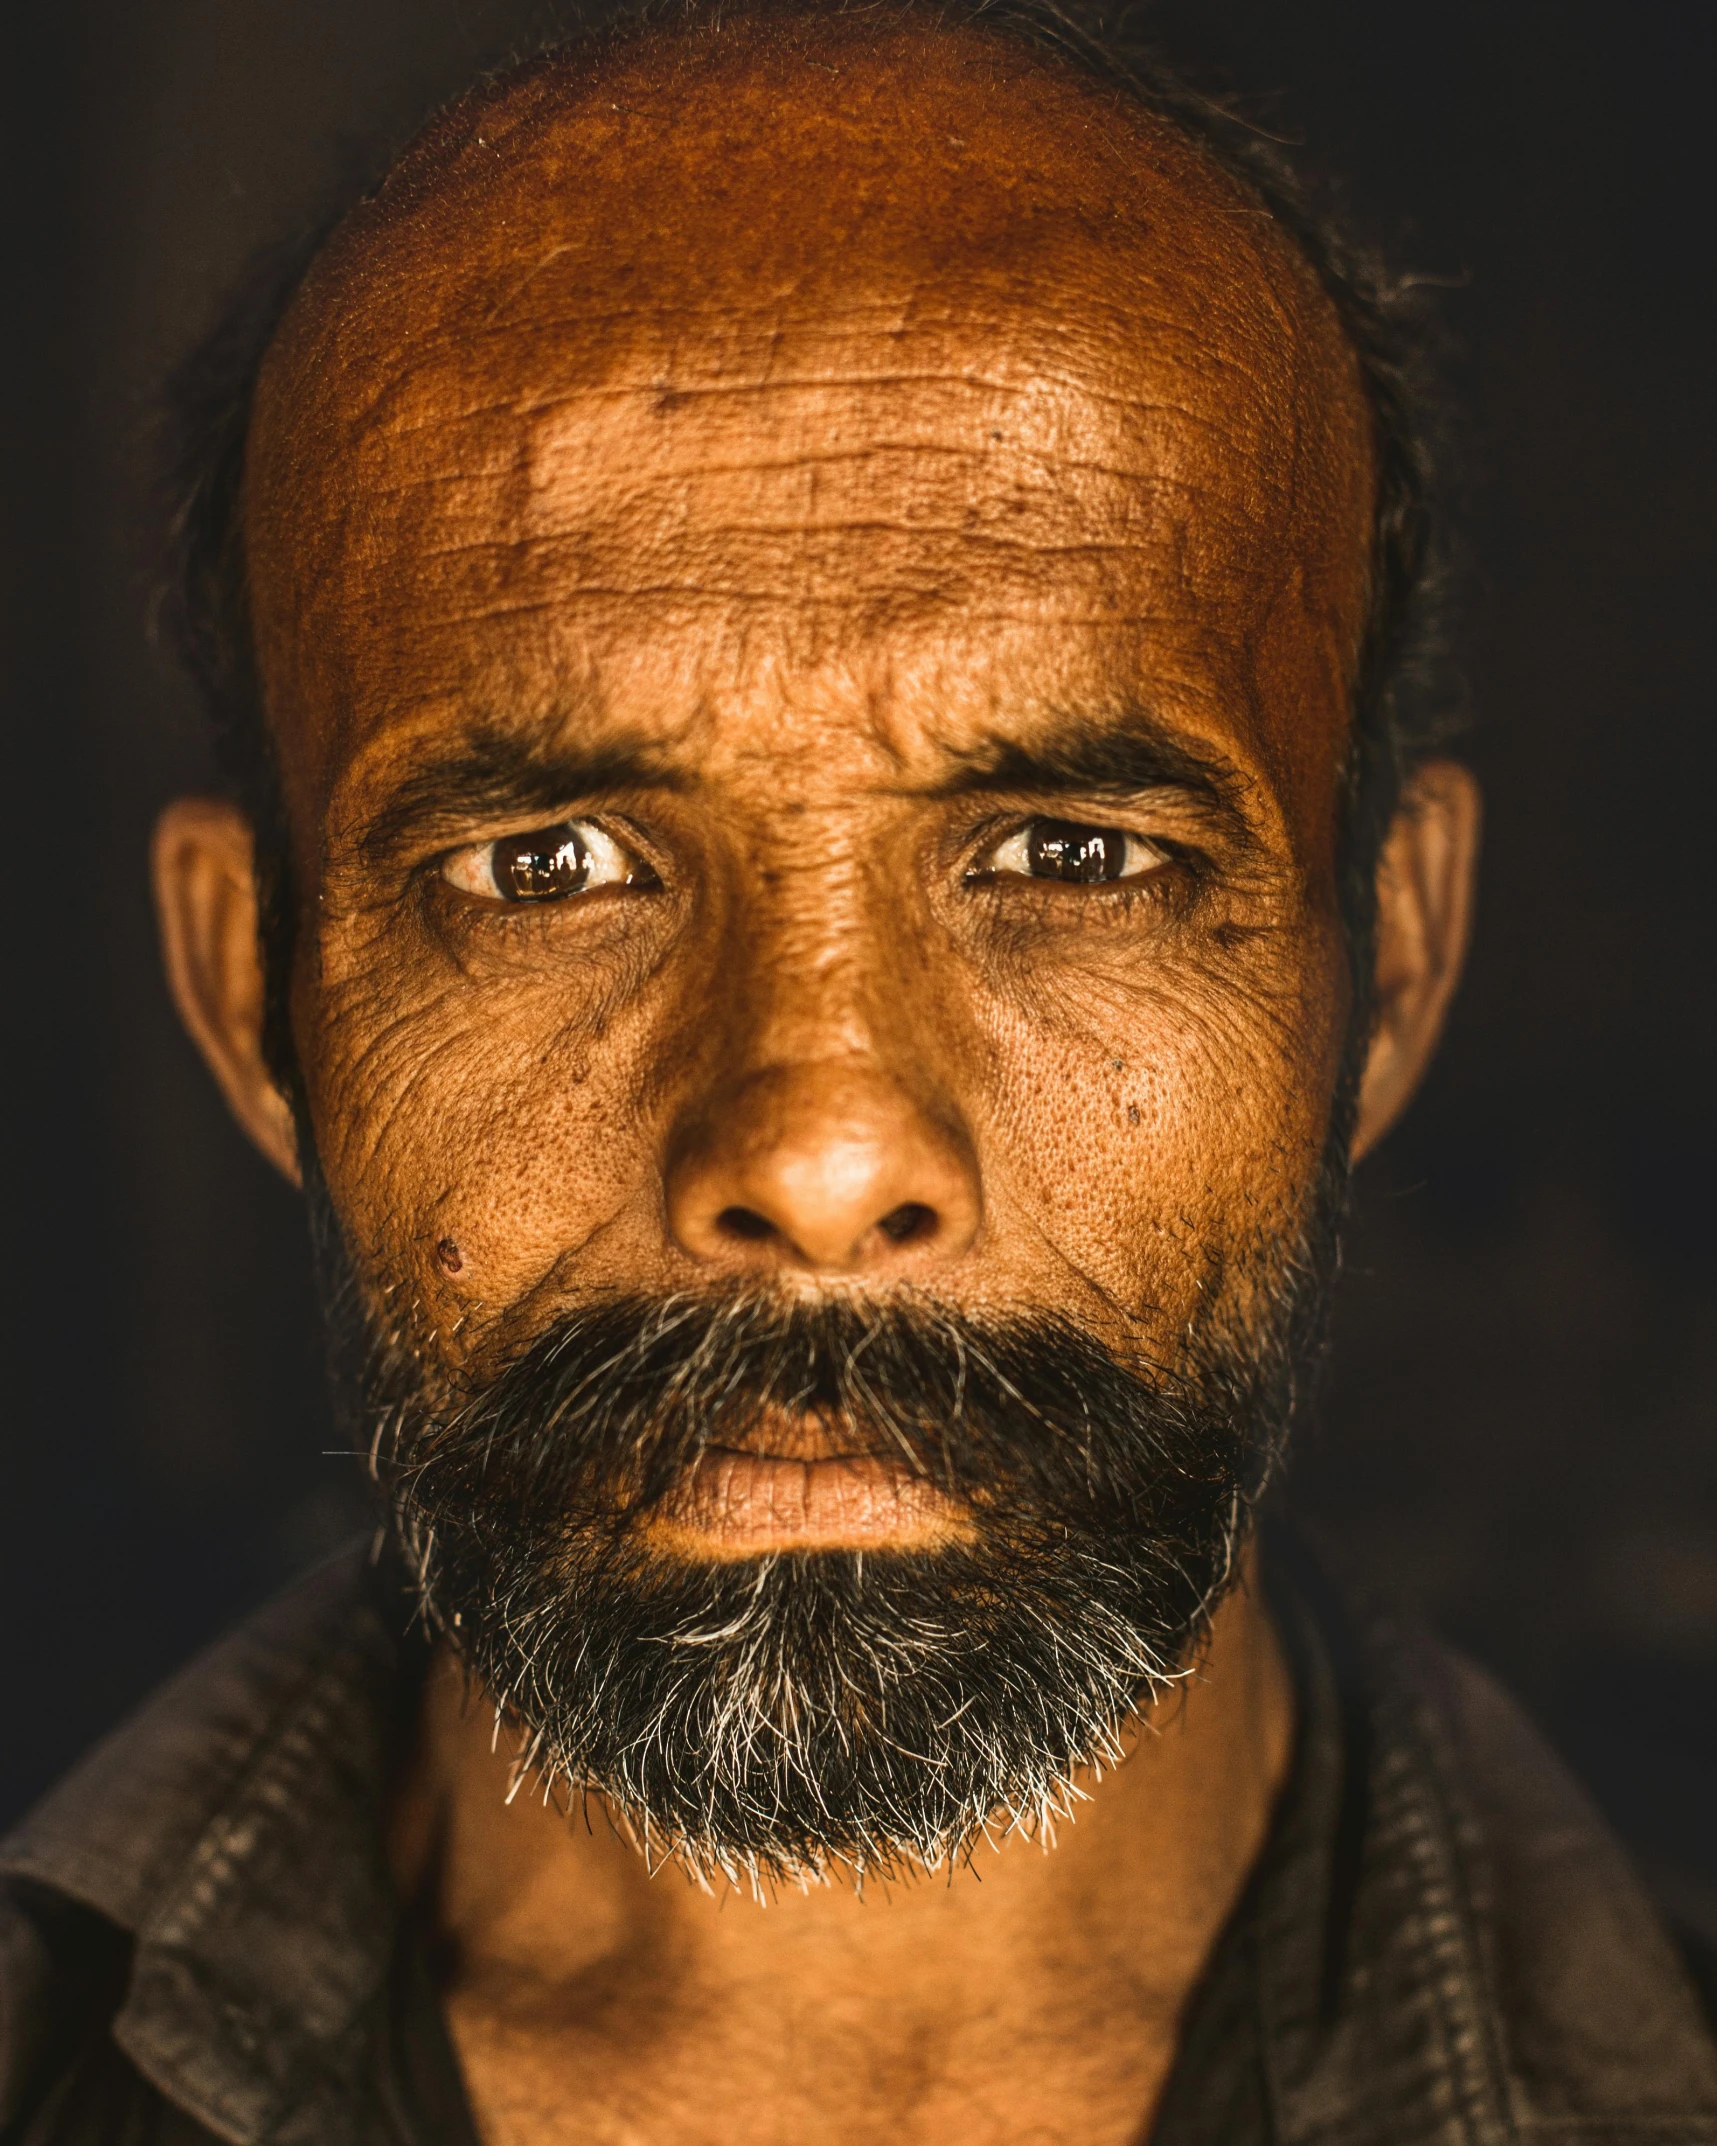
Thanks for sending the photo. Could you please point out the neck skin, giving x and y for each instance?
(1034, 1995)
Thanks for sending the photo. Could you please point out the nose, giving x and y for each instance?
(828, 1168)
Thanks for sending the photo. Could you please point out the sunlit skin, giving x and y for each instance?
(809, 466)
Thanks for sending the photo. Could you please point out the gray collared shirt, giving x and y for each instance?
(199, 1937)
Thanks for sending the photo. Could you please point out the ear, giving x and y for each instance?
(1425, 883)
(203, 863)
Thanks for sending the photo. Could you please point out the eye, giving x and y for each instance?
(546, 865)
(1073, 851)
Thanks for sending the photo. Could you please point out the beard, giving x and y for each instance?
(771, 1717)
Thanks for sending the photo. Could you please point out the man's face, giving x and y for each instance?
(811, 707)
(808, 606)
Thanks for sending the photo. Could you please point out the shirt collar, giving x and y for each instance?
(235, 1827)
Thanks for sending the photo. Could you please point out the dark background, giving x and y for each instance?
(1520, 1428)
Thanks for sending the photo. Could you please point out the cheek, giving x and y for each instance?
(476, 1133)
(1148, 1130)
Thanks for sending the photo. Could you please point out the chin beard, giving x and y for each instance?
(772, 1717)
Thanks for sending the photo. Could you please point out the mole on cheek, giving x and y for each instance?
(448, 1257)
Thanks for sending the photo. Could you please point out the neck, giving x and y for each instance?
(559, 1921)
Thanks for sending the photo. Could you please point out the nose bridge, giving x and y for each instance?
(819, 1137)
(811, 987)
(818, 948)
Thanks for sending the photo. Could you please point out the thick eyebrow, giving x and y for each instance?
(1127, 756)
(489, 773)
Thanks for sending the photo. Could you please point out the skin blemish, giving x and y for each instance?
(448, 1257)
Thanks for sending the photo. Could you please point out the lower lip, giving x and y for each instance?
(745, 1504)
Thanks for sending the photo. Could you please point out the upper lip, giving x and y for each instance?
(784, 1437)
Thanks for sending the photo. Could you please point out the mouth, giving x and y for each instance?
(745, 1502)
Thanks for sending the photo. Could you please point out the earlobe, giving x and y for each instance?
(202, 862)
(1426, 878)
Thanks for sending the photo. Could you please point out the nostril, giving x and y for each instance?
(908, 1222)
(744, 1223)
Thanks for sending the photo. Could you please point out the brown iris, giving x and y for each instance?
(1066, 849)
(540, 866)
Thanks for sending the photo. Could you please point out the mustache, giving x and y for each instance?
(603, 1413)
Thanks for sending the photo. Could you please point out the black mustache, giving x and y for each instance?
(605, 1411)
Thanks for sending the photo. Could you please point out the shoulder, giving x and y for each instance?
(117, 1828)
(1594, 2018)
(1455, 1951)
(91, 1872)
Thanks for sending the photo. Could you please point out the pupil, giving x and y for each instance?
(535, 868)
(1062, 849)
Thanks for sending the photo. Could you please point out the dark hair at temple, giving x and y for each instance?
(1406, 697)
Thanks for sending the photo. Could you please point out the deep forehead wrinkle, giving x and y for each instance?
(749, 317)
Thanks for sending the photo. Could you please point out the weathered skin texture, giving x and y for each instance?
(808, 435)
(810, 456)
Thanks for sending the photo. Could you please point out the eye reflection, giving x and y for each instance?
(536, 868)
(1073, 851)
(546, 864)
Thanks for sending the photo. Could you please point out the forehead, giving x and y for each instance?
(913, 379)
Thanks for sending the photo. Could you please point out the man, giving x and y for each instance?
(834, 859)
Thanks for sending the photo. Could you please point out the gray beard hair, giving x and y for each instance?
(769, 1719)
